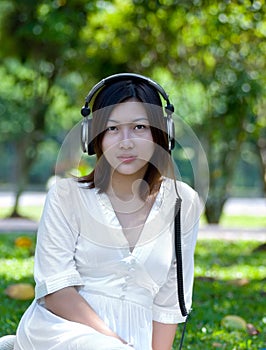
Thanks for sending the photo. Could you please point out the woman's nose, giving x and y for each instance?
(126, 140)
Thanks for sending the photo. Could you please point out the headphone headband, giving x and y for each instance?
(124, 76)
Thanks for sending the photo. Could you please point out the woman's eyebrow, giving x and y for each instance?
(112, 121)
(141, 118)
(132, 121)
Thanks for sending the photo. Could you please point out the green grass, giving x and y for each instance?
(16, 265)
(219, 266)
(30, 212)
(246, 221)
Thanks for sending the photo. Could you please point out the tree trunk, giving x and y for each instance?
(27, 147)
(261, 144)
(214, 209)
(25, 160)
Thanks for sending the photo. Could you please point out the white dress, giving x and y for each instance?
(80, 243)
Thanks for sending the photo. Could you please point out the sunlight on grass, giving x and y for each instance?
(229, 279)
(229, 260)
(234, 272)
(245, 221)
(16, 269)
(30, 212)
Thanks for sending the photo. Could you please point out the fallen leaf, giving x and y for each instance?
(217, 345)
(239, 282)
(205, 278)
(251, 329)
(233, 322)
(20, 291)
(24, 242)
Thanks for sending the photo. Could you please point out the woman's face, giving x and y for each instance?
(127, 143)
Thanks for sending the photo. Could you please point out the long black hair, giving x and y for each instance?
(103, 104)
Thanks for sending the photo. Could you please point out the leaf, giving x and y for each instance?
(24, 242)
(233, 322)
(206, 279)
(251, 329)
(217, 345)
(20, 291)
(239, 282)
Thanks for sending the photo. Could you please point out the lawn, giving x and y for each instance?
(246, 221)
(229, 280)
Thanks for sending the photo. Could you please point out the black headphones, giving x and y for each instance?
(86, 139)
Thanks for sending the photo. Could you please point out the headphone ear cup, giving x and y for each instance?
(85, 135)
(170, 132)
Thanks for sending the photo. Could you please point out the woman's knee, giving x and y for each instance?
(99, 342)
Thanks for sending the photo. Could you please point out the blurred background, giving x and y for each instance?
(208, 55)
(210, 58)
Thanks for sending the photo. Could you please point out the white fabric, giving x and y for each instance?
(7, 342)
(80, 243)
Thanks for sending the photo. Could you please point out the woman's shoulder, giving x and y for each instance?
(67, 186)
(180, 189)
(189, 197)
(191, 204)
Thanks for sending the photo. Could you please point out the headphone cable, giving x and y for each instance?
(179, 265)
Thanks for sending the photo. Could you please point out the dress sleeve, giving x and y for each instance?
(57, 235)
(166, 306)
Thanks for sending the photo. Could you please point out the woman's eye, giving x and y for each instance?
(140, 127)
(111, 128)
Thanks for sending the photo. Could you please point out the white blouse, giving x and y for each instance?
(81, 243)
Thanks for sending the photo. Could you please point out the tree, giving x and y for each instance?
(38, 63)
(217, 45)
(259, 137)
(212, 54)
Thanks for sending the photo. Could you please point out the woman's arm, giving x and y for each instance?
(163, 336)
(69, 304)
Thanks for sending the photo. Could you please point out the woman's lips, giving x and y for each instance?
(127, 159)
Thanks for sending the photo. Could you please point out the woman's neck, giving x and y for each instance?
(124, 187)
(124, 194)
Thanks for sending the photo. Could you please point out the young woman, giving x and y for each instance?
(105, 266)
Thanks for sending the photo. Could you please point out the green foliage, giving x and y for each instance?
(229, 279)
(35, 25)
(209, 55)
(42, 50)
(216, 47)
